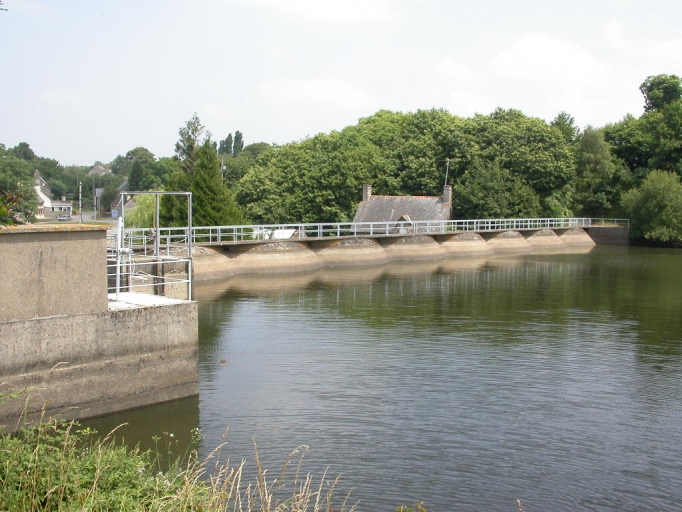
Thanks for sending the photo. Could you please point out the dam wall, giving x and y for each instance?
(300, 255)
(66, 349)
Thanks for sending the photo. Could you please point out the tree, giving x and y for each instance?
(595, 172)
(192, 136)
(655, 209)
(135, 177)
(566, 126)
(487, 190)
(142, 216)
(225, 146)
(238, 143)
(213, 203)
(236, 168)
(660, 90)
(654, 141)
(16, 188)
(23, 151)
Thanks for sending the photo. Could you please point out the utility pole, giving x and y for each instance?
(447, 170)
(80, 199)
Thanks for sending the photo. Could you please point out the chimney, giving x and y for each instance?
(447, 194)
(366, 192)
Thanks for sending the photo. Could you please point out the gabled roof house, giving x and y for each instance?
(376, 208)
(98, 170)
(49, 208)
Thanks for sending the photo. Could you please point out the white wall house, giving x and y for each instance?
(49, 208)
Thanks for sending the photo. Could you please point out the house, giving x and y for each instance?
(98, 170)
(395, 209)
(49, 208)
(128, 204)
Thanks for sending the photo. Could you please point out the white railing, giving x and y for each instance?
(135, 271)
(142, 239)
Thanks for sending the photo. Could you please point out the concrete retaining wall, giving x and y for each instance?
(610, 235)
(52, 270)
(280, 257)
(82, 365)
(69, 350)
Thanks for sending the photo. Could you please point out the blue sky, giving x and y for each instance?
(86, 81)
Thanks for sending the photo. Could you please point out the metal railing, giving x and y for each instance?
(141, 271)
(142, 239)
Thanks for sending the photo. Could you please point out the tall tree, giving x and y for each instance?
(660, 90)
(238, 143)
(225, 146)
(136, 176)
(214, 204)
(192, 136)
(595, 171)
(565, 123)
(23, 151)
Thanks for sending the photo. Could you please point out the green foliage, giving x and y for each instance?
(17, 195)
(174, 208)
(566, 126)
(655, 209)
(238, 143)
(192, 136)
(214, 204)
(320, 179)
(142, 216)
(59, 467)
(654, 141)
(660, 90)
(108, 197)
(225, 146)
(489, 191)
(596, 191)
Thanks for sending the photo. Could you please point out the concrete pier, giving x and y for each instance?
(70, 351)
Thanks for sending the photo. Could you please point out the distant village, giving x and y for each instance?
(63, 210)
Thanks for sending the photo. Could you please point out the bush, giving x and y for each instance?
(655, 209)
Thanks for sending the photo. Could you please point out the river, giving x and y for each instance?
(465, 384)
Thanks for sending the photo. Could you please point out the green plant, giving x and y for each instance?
(57, 466)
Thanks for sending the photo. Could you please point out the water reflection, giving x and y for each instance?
(467, 384)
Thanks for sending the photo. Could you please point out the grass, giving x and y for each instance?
(59, 467)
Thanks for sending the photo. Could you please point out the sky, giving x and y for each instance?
(85, 81)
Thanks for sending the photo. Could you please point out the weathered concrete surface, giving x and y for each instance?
(353, 252)
(83, 365)
(610, 235)
(283, 257)
(52, 270)
(413, 248)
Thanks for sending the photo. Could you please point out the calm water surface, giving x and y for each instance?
(466, 384)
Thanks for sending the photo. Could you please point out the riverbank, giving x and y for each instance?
(300, 255)
(58, 466)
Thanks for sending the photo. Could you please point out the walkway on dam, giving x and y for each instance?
(249, 234)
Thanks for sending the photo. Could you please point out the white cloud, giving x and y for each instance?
(451, 70)
(344, 11)
(58, 97)
(614, 35)
(330, 92)
(34, 8)
(540, 60)
(466, 103)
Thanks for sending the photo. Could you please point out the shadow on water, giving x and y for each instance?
(638, 285)
(171, 423)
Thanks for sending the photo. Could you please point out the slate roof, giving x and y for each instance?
(98, 170)
(392, 208)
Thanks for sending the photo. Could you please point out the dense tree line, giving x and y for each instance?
(505, 164)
